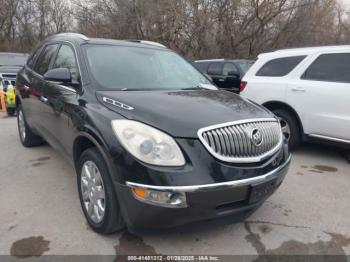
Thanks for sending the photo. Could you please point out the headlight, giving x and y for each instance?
(148, 144)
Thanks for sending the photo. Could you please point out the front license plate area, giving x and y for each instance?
(261, 190)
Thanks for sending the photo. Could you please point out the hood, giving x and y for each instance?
(181, 113)
(9, 69)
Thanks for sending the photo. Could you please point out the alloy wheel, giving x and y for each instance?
(285, 128)
(93, 191)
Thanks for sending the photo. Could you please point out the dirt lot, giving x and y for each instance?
(40, 212)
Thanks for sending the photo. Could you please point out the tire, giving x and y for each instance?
(289, 125)
(26, 135)
(104, 216)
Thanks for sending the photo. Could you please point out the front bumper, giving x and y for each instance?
(232, 199)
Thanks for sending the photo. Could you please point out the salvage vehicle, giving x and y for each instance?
(154, 144)
(10, 64)
(308, 89)
(225, 73)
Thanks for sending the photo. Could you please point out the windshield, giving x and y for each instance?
(13, 59)
(137, 68)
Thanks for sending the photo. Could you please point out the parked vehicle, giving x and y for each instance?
(154, 144)
(225, 73)
(308, 89)
(10, 64)
(9, 96)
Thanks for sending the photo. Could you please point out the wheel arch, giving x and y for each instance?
(273, 105)
(86, 140)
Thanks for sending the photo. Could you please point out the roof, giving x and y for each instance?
(308, 50)
(82, 38)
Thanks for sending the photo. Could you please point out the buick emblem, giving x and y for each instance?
(256, 137)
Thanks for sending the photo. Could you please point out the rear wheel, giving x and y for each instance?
(289, 126)
(97, 195)
(26, 135)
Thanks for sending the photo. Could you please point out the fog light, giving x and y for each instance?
(160, 198)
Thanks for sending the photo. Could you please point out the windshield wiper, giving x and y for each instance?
(192, 88)
(201, 87)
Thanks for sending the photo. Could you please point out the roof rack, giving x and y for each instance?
(72, 34)
(325, 47)
(146, 42)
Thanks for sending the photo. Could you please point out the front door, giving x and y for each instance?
(60, 99)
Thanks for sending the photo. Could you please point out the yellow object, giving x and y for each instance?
(11, 96)
(3, 103)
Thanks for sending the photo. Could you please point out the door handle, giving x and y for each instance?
(44, 99)
(221, 79)
(298, 89)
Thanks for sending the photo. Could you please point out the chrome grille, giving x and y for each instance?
(242, 141)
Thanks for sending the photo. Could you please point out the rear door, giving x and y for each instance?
(32, 87)
(28, 92)
(321, 94)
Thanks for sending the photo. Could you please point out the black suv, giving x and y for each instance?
(154, 144)
(225, 73)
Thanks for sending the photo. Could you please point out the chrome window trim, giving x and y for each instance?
(215, 186)
(239, 159)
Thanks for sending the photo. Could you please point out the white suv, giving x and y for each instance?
(307, 88)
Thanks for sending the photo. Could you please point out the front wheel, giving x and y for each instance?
(290, 127)
(97, 195)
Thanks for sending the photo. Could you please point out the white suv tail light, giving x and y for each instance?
(242, 86)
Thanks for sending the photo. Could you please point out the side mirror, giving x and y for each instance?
(61, 75)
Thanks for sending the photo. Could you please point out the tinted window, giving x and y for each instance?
(201, 67)
(229, 69)
(134, 68)
(280, 66)
(43, 63)
(330, 67)
(215, 68)
(66, 59)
